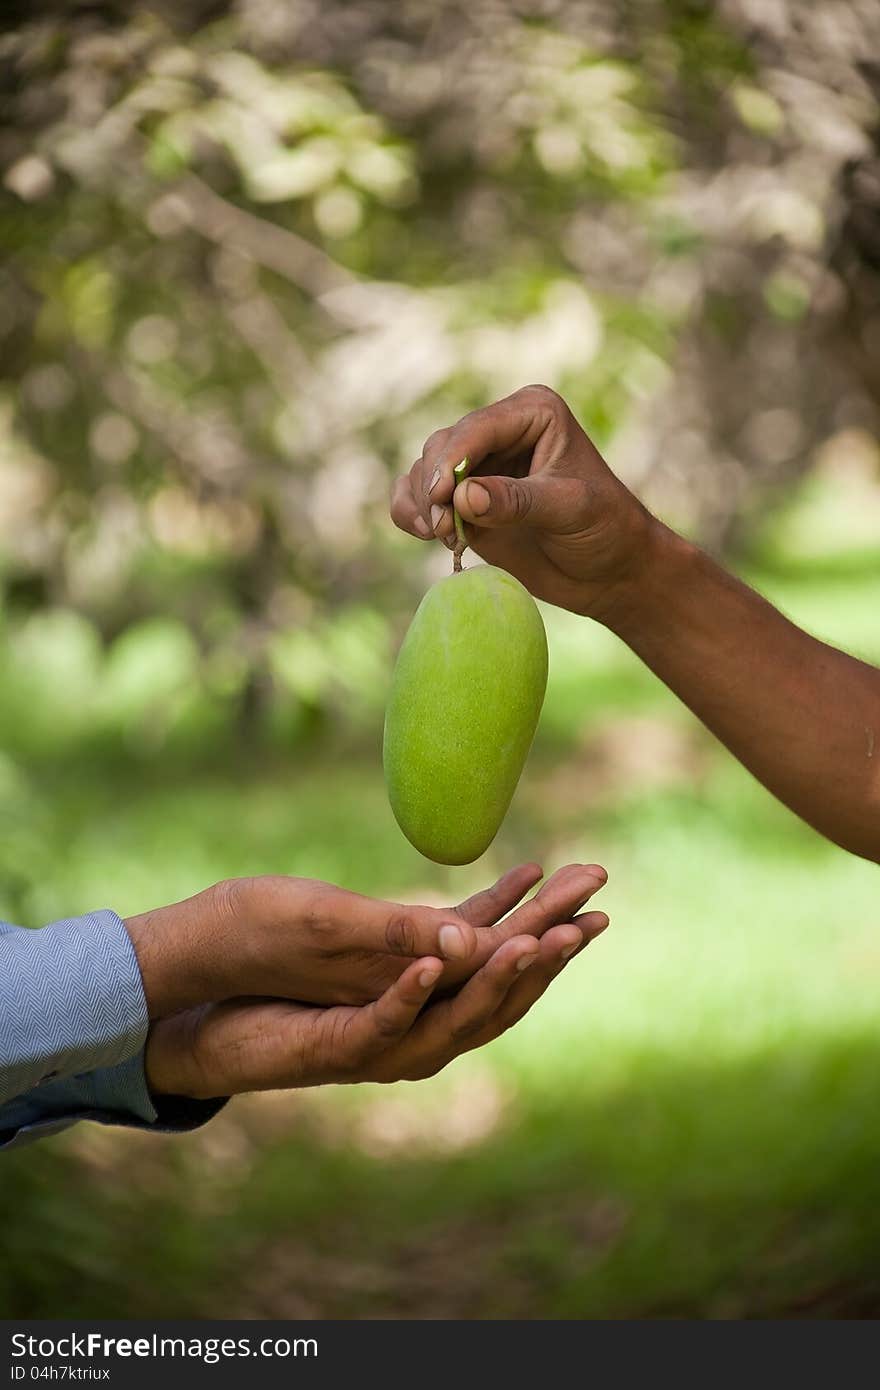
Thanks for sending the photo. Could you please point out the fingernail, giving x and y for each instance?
(477, 498)
(422, 527)
(435, 479)
(436, 516)
(525, 961)
(570, 950)
(452, 942)
(427, 977)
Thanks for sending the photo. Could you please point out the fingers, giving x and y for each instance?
(455, 1025)
(495, 998)
(509, 428)
(557, 947)
(274, 1043)
(483, 909)
(388, 1041)
(385, 1023)
(591, 925)
(555, 950)
(558, 900)
(404, 511)
(266, 1043)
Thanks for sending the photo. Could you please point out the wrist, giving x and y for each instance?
(640, 604)
(180, 961)
(620, 585)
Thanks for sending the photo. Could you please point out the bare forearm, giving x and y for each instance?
(802, 716)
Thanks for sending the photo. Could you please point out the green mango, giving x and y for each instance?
(465, 698)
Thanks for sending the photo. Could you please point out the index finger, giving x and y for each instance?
(404, 510)
(558, 900)
(484, 908)
(508, 426)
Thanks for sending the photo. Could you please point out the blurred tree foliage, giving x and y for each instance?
(253, 253)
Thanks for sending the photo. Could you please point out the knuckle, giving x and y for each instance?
(384, 1033)
(305, 915)
(314, 921)
(465, 1029)
(404, 519)
(399, 497)
(488, 900)
(491, 897)
(585, 495)
(537, 391)
(435, 441)
(521, 501)
(401, 935)
(386, 1028)
(316, 1056)
(350, 1048)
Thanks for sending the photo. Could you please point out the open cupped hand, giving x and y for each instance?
(265, 1044)
(309, 941)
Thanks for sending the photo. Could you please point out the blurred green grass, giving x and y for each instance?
(686, 1126)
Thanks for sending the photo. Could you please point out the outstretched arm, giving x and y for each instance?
(541, 502)
(802, 716)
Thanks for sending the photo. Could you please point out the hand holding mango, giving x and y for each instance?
(298, 938)
(536, 501)
(539, 502)
(519, 482)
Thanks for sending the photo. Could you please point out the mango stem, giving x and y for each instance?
(460, 472)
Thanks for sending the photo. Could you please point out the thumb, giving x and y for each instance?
(543, 502)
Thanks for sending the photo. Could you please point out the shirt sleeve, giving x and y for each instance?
(73, 1023)
(71, 1001)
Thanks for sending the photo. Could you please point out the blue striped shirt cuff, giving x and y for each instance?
(73, 1023)
(71, 1001)
(112, 1096)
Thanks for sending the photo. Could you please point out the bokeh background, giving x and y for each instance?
(252, 254)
